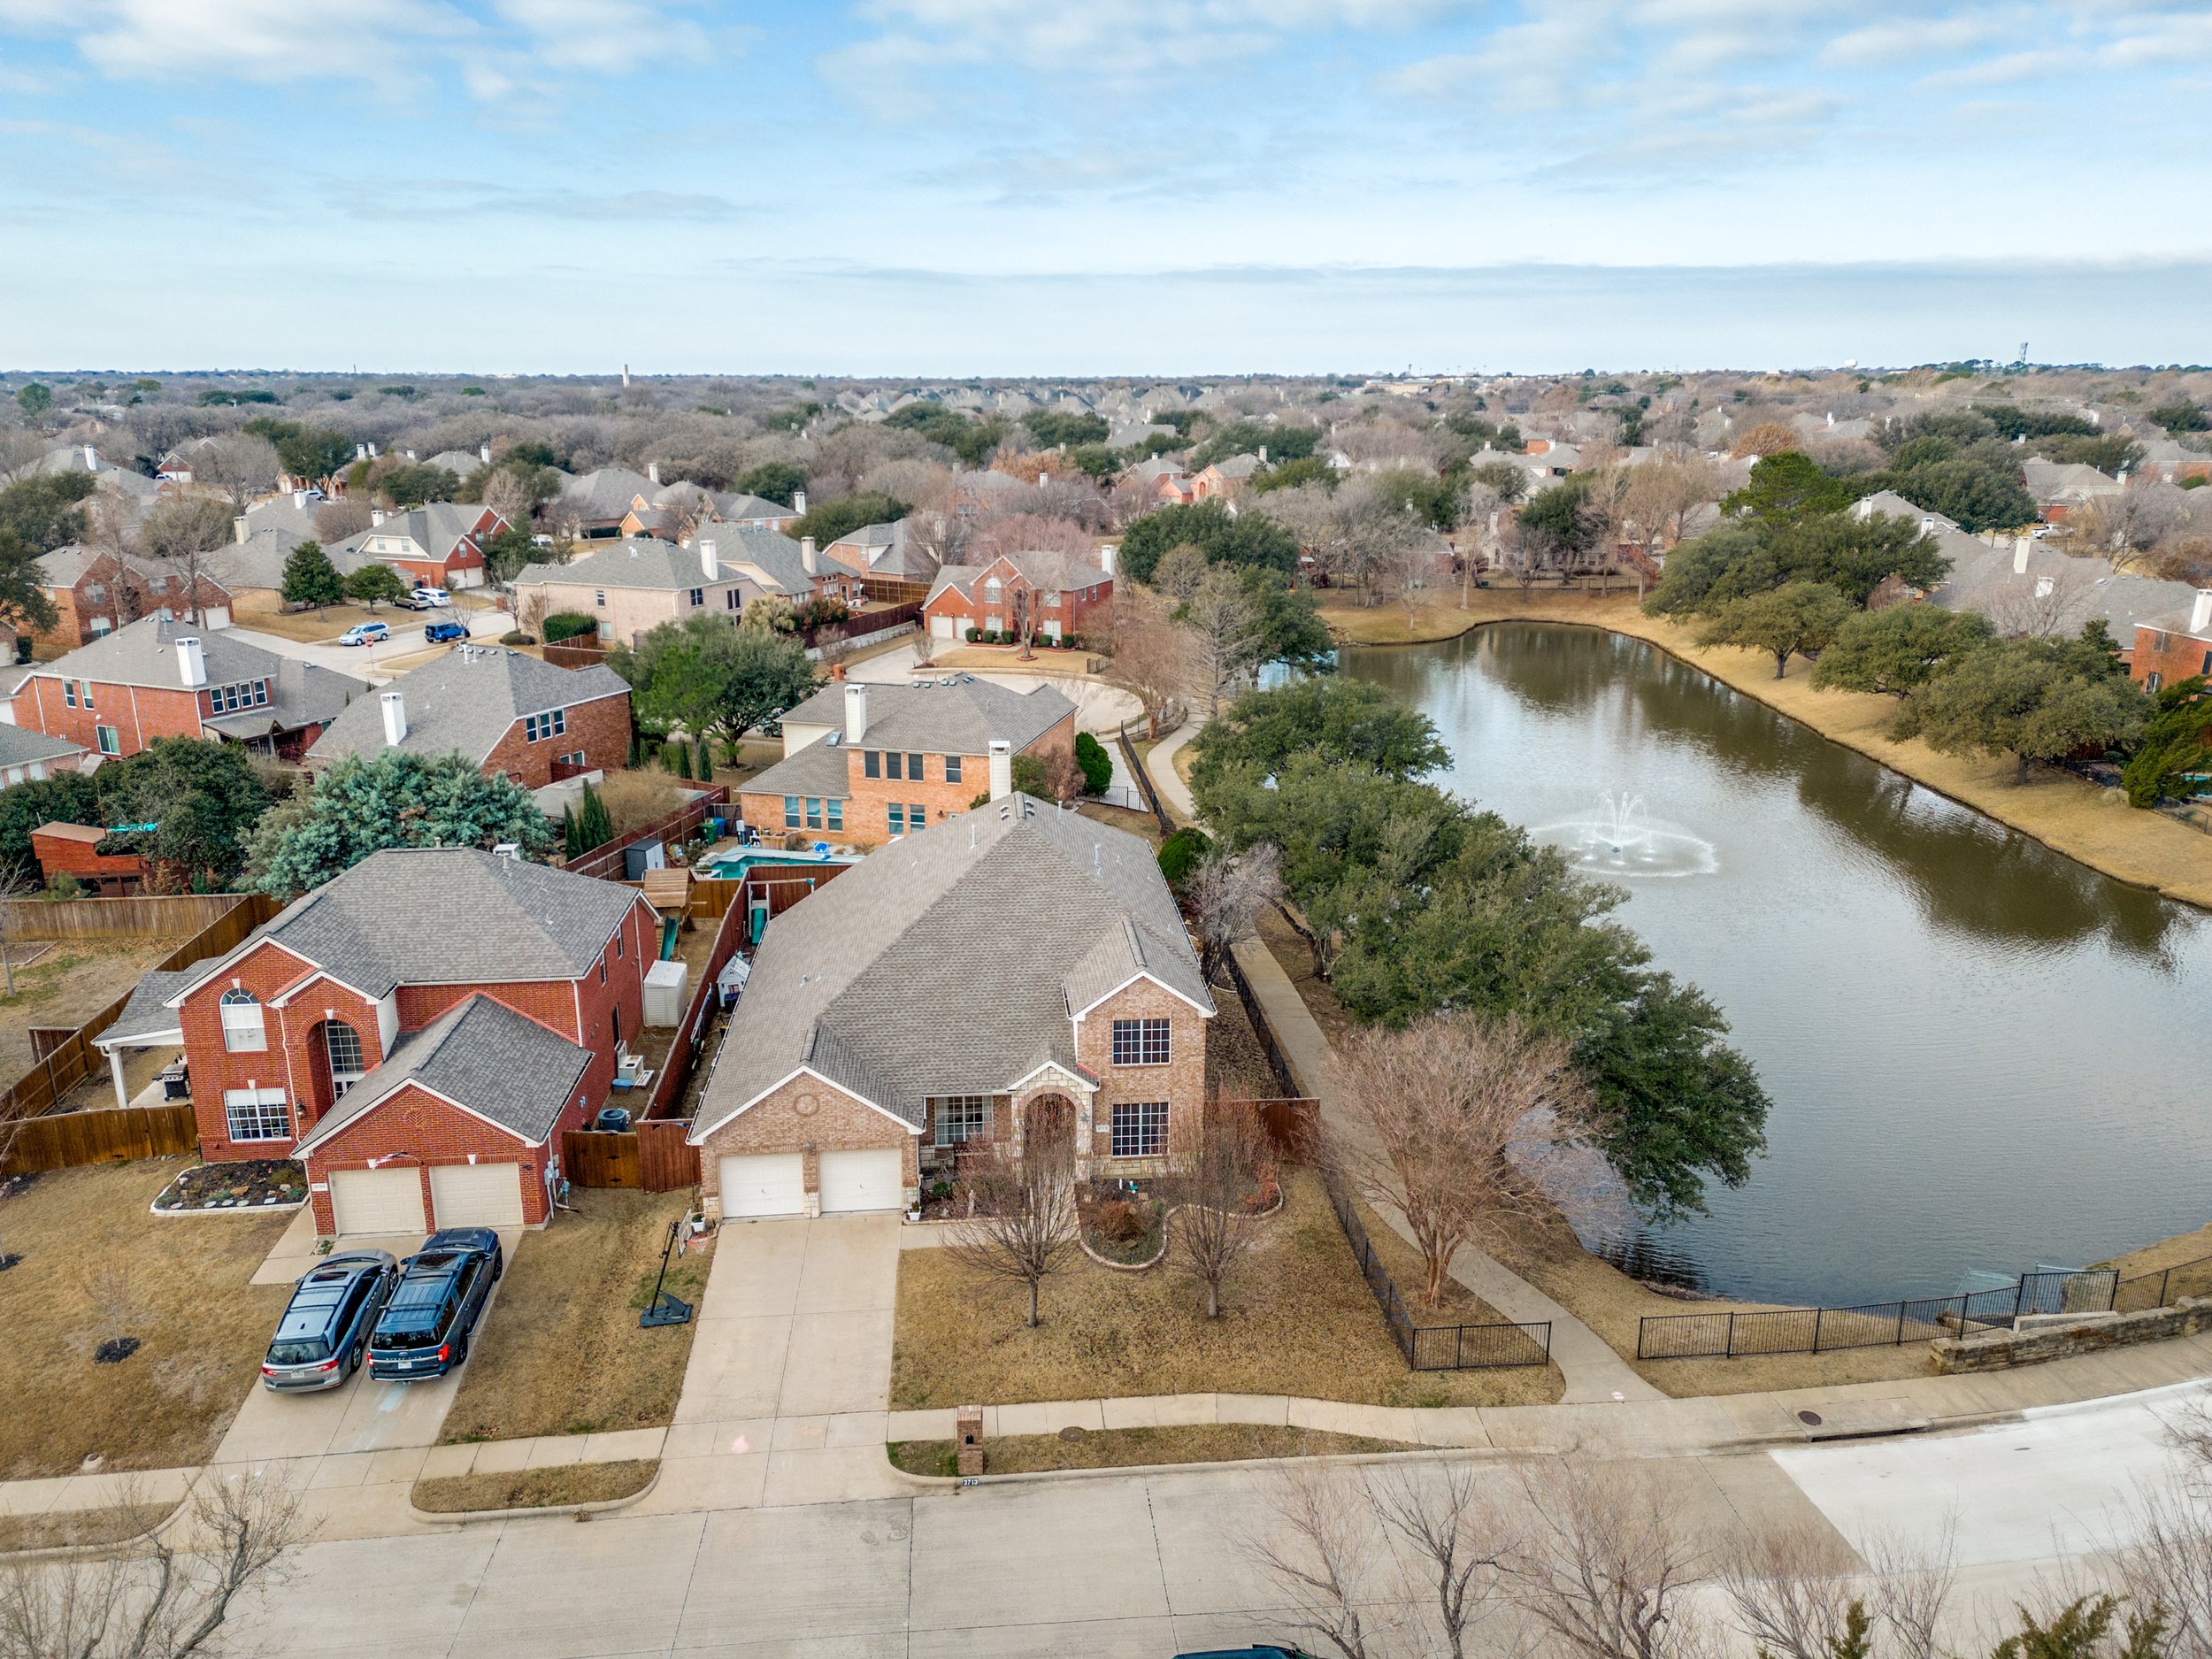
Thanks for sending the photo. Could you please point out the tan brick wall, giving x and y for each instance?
(1182, 1082)
(782, 1123)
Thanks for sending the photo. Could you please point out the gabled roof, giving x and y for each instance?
(444, 916)
(20, 745)
(768, 558)
(437, 528)
(485, 1059)
(259, 561)
(144, 654)
(959, 715)
(889, 550)
(740, 506)
(603, 494)
(922, 970)
(818, 769)
(148, 1018)
(1043, 568)
(465, 703)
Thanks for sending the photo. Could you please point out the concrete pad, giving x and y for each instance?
(1454, 1426)
(726, 1438)
(382, 1415)
(1045, 1417)
(575, 1590)
(799, 1575)
(556, 1451)
(837, 1362)
(272, 1425)
(374, 1509)
(838, 1474)
(293, 1253)
(852, 1265)
(1252, 1409)
(349, 1471)
(370, 1599)
(99, 1491)
(755, 1270)
(849, 1429)
(1766, 1501)
(1157, 1411)
(993, 1556)
(440, 1461)
(692, 1484)
(883, 1644)
(402, 1464)
(622, 1444)
(735, 1370)
(940, 1424)
(1094, 1639)
(33, 1497)
(502, 1457)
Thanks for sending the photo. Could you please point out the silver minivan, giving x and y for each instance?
(325, 1331)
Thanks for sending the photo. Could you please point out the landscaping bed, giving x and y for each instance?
(74, 1529)
(562, 1352)
(247, 1184)
(1297, 1318)
(1129, 1449)
(535, 1488)
(98, 1269)
(1125, 1221)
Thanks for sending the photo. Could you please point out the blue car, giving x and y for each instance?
(443, 1289)
(325, 1331)
(439, 633)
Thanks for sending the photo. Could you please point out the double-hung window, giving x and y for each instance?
(915, 816)
(257, 1114)
(914, 769)
(897, 813)
(833, 810)
(1140, 1042)
(814, 811)
(698, 597)
(952, 769)
(791, 812)
(69, 692)
(109, 740)
(348, 1065)
(245, 1028)
(1139, 1129)
(962, 1118)
(894, 764)
(871, 764)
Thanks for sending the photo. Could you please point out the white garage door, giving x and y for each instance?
(377, 1201)
(940, 627)
(477, 1195)
(862, 1181)
(771, 1183)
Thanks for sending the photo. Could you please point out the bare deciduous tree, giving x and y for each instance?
(1228, 891)
(2040, 607)
(159, 1600)
(1661, 496)
(1223, 1156)
(1019, 1221)
(1453, 1121)
(1798, 1594)
(1151, 656)
(1318, 1543)
(241, 468)
(1179, 570)
(336, 520)
(1457, 1535)
(1604, 1565)
(1223, 626)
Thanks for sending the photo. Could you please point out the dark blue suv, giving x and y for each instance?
(326, 1328)
(443, 1289)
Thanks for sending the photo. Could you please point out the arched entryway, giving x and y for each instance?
(1049, 1134)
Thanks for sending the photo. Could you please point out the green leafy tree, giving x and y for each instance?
(2008, 422)
(1897, 651)
(1050, 428)
(203, 796)
(1249, 437)
(711, 680)
(1743, 557)
(1181, 853)
(396, 798)
(1286, 620)
(1353, 721)
(1799, 618)
(306, 451)
(972, 439)
(506, 552)
(411, 484)
(375, 583)
(1096, 765)
(2176, 744)
(1225, 538)
(1786, 487)
(2031, 699)
(1309, 469)
(1033, 777)
(311, 578)
(1509, 482)
(46, 510)
(831, 519)
(1096, 461)
(1978, 487)
(2180, 417)
(2107, 452)
(1557, 526)
(34, 400)
(779, 481)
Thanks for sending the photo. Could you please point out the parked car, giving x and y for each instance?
(613, 1120)
(439, 633)
(324, 1331)
(1263, 1650)
(442, 1288)
(427, 599)
(366, 634)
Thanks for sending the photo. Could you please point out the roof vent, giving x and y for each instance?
(510, 850)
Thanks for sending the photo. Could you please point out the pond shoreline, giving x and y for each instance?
(2062, 812)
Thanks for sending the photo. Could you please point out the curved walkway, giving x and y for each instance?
(1174, 793)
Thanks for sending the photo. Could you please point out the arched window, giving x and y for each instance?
(244, 1030)
(342, 1045)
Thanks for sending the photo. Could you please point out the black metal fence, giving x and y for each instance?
(1437, 1347)
(2164, 1287)
(1720, 1335)
(1144, 781)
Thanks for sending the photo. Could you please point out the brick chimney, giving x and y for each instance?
(1001, 768)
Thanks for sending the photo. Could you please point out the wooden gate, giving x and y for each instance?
(653, 1157)
(600, 1160)
(667, 1160)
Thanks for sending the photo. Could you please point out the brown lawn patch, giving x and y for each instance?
(180, 1289)
(311, 626)
(634, 798)
(1144, 825)
(75, 1528)
(535, 1488)
(67, 985)
(561, 1352)
(1297, 1319)
(1132, 1449)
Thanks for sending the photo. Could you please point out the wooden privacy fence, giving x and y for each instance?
(114, 918)
(74, 1059)
(1293, 1125)
(606, 862)
(68, 1139)
(652, 1157)
(691, 1036)
(898, 614)
(571, 655)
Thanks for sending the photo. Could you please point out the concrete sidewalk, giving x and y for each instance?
(1174, 793)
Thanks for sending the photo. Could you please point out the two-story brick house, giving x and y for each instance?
(1065, 596)
(439, 544)
(95, 592)
(504, 711)
(632, 586)
(160, 678)
(868, 763)
(419, 1031)
(1008, 970)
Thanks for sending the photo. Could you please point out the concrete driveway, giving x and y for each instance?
(369, 662)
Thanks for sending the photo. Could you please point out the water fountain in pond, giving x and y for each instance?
(1622, 840)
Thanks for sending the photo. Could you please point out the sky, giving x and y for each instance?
(938, 188)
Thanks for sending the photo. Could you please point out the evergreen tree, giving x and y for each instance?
(395, 799)
(311, 578)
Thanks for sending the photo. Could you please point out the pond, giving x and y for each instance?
(1982, 1055)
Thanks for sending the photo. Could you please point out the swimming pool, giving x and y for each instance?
(736, 866)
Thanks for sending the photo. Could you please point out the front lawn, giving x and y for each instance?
(1133, 1448)
(560, 1352)
(96, 1265)
(1297, 1319)
(310, 627)
(535, 1488)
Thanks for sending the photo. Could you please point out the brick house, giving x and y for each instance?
(914, 1008)
(506, 712)
(2177, 647)
(888, 552)
(1070, 597)
(1228, 478)
(439, 544)
(27, 756)
(419, 1031)
(156, 679)
(635, 585)
(94, 592)
(73, 851)
(866, 763)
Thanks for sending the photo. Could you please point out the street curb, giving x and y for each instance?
(94, 1552)
(581, 1511)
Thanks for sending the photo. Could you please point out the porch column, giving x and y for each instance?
(115, 1065)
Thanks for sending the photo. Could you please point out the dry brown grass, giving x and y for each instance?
(72, 982)
(2094, 826)
(76, 1529)
(1236, 1066)
(1142, 825)
(202, 1328)
(1297, 1319)
(535, 1488)
(634, 798)
(1133, 1448)
(562, 1353)
(309, 627)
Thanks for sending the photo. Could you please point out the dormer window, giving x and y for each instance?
(245, 1029)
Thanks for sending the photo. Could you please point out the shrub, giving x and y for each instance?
(516, 636)
(1097, 764)
(567, 624)
(1179, 854)
(1118, 1220)
(975, 635)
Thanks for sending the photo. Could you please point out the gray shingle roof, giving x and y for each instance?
(603, 494)
(144, 653)
(819, 769)
(435, 528)
(889, 550)
(480, 1055)
(20, 745)
(464, 703)
(929, 968)
(771, 560)
(148, 1015)
(447, 916)
(1986, 580)
(259, 561)
(1043, 568)
(960, 716)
